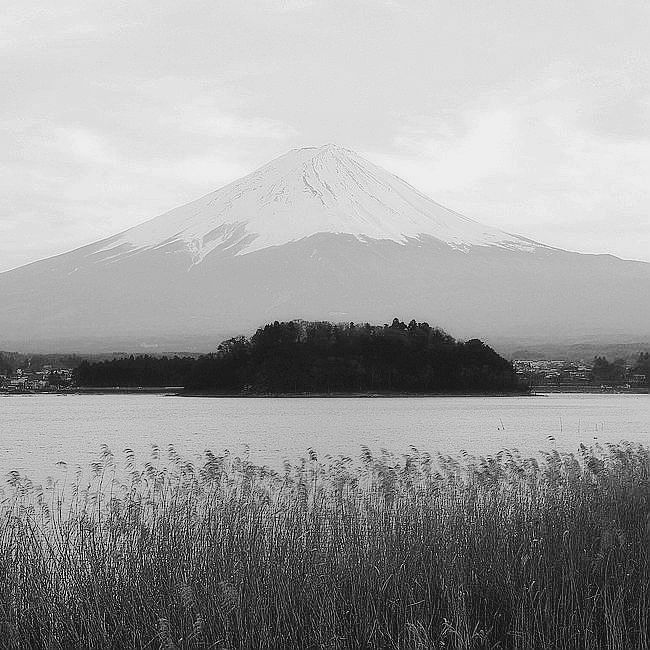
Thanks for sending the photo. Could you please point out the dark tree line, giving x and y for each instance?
(643, 365)
(604, 371)
(6, 367)
(134, 371)
(297, 356)
(616, 371)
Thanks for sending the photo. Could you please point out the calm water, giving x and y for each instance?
(37, 431)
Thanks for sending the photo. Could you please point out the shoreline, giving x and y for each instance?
(364, 395)
(177, 391)
(411, 395)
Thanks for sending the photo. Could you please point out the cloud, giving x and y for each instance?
(69, 184)
(547, 163)
(83, 145)
(454, 154)
(285, 6)
(203, 117)
(26, 25)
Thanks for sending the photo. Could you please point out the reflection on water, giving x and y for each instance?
(37, 431)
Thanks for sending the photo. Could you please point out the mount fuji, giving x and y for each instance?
(320, 234)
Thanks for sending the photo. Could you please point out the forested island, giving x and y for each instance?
(321, 357)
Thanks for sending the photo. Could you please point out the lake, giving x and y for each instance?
(37, 431)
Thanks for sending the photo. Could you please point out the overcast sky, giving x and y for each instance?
(530, 116)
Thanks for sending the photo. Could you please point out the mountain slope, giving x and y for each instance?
(305, 192)
(318, 233)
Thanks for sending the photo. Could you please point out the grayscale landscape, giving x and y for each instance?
(325, 325)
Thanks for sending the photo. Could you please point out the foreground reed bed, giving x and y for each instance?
(383, 552)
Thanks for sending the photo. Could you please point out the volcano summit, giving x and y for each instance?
(304, 193)
(320, 234)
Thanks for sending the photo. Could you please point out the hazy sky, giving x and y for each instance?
(530, 116)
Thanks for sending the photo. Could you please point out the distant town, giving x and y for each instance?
(599, 374)
(46, 379)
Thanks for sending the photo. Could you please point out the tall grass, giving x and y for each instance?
(382, 552)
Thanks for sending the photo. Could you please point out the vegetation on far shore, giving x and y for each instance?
(321, 357)
(405, 552)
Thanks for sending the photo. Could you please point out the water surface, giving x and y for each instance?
(37, 431)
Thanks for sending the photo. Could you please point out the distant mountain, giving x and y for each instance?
(319, 233)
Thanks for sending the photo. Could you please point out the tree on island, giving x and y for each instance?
(299, 356)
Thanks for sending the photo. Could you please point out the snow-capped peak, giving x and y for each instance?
(325, 189)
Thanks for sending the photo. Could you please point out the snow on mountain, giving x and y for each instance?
(302, 193)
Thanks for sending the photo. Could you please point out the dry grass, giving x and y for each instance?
(383, 552)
